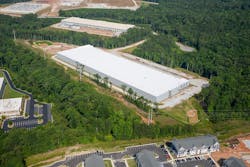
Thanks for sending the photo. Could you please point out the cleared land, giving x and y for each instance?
(119, 3)
(179, 112)
(57, 5)
(185, 48)
(52, 48)
(235, 147)
(24, 8)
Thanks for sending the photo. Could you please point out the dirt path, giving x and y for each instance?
(185, 48)
(129, 46)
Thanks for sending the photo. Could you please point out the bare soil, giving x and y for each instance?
(119, 3)
(237, 150)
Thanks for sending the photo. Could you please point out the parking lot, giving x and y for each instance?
(117, 157)
(195, 161)
(23, 123)
(119, 164)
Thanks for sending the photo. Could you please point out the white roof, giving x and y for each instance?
(24, 8)
(98, 23)
(247, 143)
(134, 74)
(13, 104)
(1, 82)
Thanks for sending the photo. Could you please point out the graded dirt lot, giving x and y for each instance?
(236, 148)
(52, 48)
(56, 6)
(119, 3)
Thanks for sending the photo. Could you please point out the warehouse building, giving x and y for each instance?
(24, 8)
(94, 161)
(78, 23)
(11, 107)
(146, 158)
(195, 145)
(2, 84)
(145, 81)
(70, 2)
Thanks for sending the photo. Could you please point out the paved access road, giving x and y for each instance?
(116, 156)
(32, 121)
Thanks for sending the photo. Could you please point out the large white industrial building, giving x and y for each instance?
(1, 86)
(24, 8)
(10, 107)
(78, 23)
(146, 81)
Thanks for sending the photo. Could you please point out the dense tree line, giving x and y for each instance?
(30, 27)
(218, 30)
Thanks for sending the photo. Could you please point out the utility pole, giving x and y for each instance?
(44, 56)
(80, 69)
(150, 117)
(14, 34)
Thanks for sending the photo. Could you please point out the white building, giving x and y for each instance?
(24, 8)
(71, 2)
(10, 107)
(195, 145)
(116, 28)
(1, 86)
(146, 81)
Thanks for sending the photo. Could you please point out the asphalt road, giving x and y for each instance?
(116, 156)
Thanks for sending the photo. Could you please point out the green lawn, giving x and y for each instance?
(107, 163)
(131, 163)
(179, 112)
(10, 93)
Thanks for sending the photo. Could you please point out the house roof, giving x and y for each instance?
(146, 159)
(233, 162)
(191, 142)
(94, 161)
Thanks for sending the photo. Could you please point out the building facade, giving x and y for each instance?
(195, 145)
(77, 23)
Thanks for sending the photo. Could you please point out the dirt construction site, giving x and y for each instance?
(57, 5)
(236, 147)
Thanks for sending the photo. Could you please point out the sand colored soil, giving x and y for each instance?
(192, 116)
(54, 48)
(236, 150)
(119, 3)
